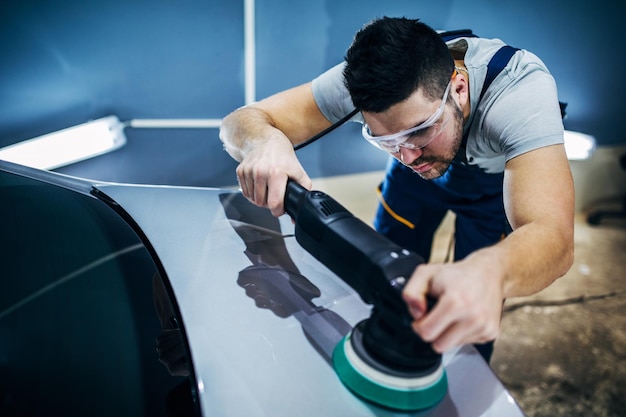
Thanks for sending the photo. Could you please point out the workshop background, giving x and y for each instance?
(71, 61)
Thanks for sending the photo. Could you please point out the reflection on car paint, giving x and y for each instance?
(274, 282)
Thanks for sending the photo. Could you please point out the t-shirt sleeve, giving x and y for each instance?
(527, 116)
(332, 96)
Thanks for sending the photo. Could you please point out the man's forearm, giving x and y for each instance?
(242, 128)
(530, 258)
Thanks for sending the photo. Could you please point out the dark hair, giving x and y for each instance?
(390, 58)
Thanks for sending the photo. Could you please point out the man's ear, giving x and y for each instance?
(460, 84)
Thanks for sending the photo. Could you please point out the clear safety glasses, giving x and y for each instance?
(414, 138)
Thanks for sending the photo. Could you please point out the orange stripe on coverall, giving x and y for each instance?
(393, 213)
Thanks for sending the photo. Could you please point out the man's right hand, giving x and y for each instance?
(265, 169)
(261, 137)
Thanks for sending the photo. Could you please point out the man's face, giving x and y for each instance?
(432, 160)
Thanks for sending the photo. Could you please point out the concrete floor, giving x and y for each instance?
(561, 352)
(569, 358)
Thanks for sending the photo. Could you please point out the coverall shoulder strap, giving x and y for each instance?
(495, 66)
(454, 34)
(497, 63)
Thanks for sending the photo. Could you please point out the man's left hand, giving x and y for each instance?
(469, 302)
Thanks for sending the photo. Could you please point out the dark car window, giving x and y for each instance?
(79, 296)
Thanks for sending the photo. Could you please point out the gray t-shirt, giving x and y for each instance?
(518, 113)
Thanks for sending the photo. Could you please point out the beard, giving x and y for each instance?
(441, 163)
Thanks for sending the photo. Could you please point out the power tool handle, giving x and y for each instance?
(294, 193)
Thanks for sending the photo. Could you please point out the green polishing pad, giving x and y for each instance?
(398, 393)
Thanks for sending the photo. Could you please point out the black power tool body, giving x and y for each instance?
(382, 359)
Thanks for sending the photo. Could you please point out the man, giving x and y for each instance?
(496, 158)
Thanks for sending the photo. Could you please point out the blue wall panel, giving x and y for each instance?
(65, 62)
(298, 40)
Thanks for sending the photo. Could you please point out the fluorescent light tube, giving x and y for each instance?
(69, 145)
(175, 123)
(578, 146)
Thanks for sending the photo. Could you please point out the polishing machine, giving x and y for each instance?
(382, 359)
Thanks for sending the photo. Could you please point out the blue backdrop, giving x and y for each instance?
(69, 61)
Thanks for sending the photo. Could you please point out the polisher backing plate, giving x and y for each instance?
(398, 393)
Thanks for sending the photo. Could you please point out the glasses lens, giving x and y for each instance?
(421, 135)
(415, 140)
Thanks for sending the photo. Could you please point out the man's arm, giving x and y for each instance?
(539, 202)
(261, 137)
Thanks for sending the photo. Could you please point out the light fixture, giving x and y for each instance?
(69, 145)
(174, 123)
(578, 146)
